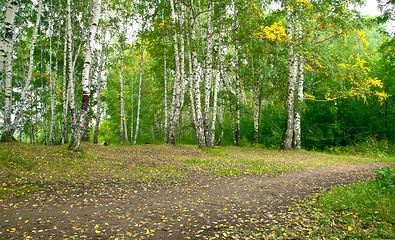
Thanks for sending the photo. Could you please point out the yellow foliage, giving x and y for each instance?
(381, 96)
(375, 82)
(275, 32)
(361, 35)
(304, 3)
(308, 96)
(257, 11)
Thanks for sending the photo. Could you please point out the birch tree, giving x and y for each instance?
(298, 107)
(8, 93)
(292, 77)
(65, 96)
(83, 116)
(208, 79)
(6, 43)
(123, 118)
(9, 130)
(139, 97)
(71, 84)
(177, 80)
(165, 135)
(196, 83)
(99, 89)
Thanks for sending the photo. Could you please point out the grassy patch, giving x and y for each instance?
(359, 211)
(159, 165)
(214, 152)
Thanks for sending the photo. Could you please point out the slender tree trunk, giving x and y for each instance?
(215, 102)
(52, 90)
(132, 113)
(237, 90)
(121, 131)
(292, 76)
(165, 135)
(139, 98)
(83, 116)
(191, 88)
(10, 130)
(195, 79)
(220, 124)
(182, 64)
(298, 109)
(207, 82)
(54, 87)
(71, 85)
(44, 136)
(65, 97)
(237, 82)
(8, 92)
(177, 81)
(99, 88)
(6, 43)
(256, 93)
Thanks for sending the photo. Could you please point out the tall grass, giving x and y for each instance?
(359, 211)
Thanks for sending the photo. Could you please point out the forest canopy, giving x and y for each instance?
(306, 74)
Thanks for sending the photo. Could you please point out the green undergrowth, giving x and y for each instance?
(359, 211)
(369, 147)
(29, 168)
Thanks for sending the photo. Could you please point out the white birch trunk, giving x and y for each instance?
(165, 135)
(215, 102)
(237, 83)
(99, 88)
(177, 80)
(139, 98)
(300, 98)
(8, 91)
(10, 130)
(44, 137)
(65, 96)
(121, 130)
(220, 124)
(191, 89)
(195, 79)
(182, 64)
(207, 82)
(237, 91)
(55, 87)
(132, 115)
(256, 102)
(83, 116)
(6, 43)
(292, 76)
(71, 85)
(52, 90)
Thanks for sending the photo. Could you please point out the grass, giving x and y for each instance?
(359, 211)
(26, 166)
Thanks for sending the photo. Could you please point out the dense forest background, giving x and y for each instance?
(303, 74)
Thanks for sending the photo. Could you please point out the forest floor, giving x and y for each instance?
(162, 192)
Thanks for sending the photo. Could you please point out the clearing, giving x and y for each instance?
(161, 191)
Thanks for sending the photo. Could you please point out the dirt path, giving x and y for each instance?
(199, 210)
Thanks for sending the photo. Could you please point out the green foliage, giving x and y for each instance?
(214, 151)
(368, 208)
(386, 179)
(367, 147)
(14, 162)
(359, 211)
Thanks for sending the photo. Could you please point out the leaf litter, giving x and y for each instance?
(163, 192)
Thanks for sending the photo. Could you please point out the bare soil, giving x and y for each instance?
(205, 208)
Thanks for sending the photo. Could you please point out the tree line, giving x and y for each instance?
(206, 72)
